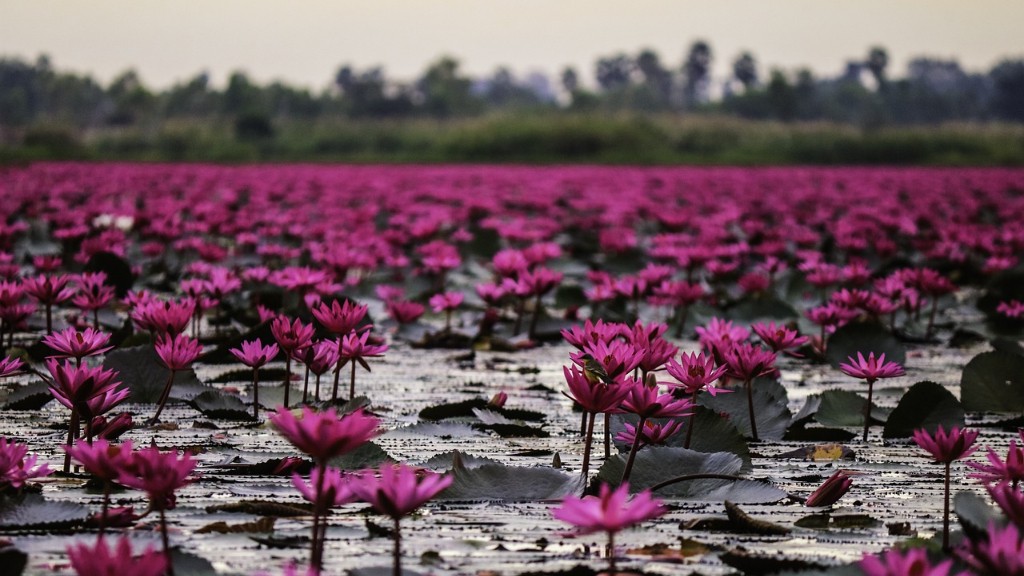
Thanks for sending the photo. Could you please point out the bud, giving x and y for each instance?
(498, 400)
(831, 491)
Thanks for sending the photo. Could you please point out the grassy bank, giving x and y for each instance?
(553, 138)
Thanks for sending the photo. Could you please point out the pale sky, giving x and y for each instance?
(304, 41)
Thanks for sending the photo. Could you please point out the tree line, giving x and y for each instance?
(864, 94)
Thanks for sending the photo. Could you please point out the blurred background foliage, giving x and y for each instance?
(636, 108)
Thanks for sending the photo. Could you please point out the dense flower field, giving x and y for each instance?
(212, 369)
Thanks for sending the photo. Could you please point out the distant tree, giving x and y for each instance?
(657, 79)
(131, 100)
(241, 95)
(191, 98)
(570, 79)
(744, 69)
(696, 69)
(1008, 90)
(445, 92)
(614, 72)
(876, 63)
(782, 97)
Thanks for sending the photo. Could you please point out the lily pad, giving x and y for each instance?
(368, 455)
(926, 405)
(711, 433)
(140, 370)
(221, 354)
(467, 408)
(657, 464)
(118, 271)
(974, 513)
(216, 404)
(845, 408)
(32, 512)
(510, 483)
(31, 397)
(848, 340)
(771, 408)
(993, 382)
(762, 309)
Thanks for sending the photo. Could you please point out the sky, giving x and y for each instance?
(303, 42)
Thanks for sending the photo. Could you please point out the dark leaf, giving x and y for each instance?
(993, 382)
(848, 340)
(711, 433)
(845, 408)
(32, 512)
(222, 353)
(465, 409)
(216, 404)
(500, 482)
(926, 405)
(118, 271)
(840, 521)
(762, 309)
(975, 514)
(771, 408)
(657, 464)
(141, 372)
(368, 455)
(744, 523)
(13, 561)
(245, 375)
(264, 508)
(757, 564)
(186, 564)
(31, 397)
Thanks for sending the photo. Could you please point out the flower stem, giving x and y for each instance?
(931, 317)
(535, 318)
(337, 374)
(633, 450)
(287, 377)
(611, 553)
(586, 444)
(106, 506)
(305, 386)
(72, 434)
(166, 541)
(867, 409)
(607, 435)
(397, 566)
(163, 397)
(352, 382)
(687, 477)
(945, 516)
(255, 393)
(689, 425)
(750, 407)
(316, 559)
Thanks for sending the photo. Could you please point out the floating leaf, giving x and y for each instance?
(771, 408)
(444, 460)
(758, 564)
(845, 408)
(216, 404)
(656, 464)
(368, 455)
(31, 397)
(262, 525)
(186, 564)
(264, 508)
(974, 513)
(514, 483)
(466, 408)
(245, 375)
(838, 521)
(993, 382)
(13, 561)
(762, 309)
(820, 453)
(118, 271)
(140, 370)
(221, 354)
(32, 512)
(746, 524)
(926, 405)
(866, 337)
(711, 433)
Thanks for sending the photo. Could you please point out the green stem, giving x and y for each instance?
(352, 382)
(945, 516)
(256, 394)
(287, 377)
(867, 409)
(689, 425)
